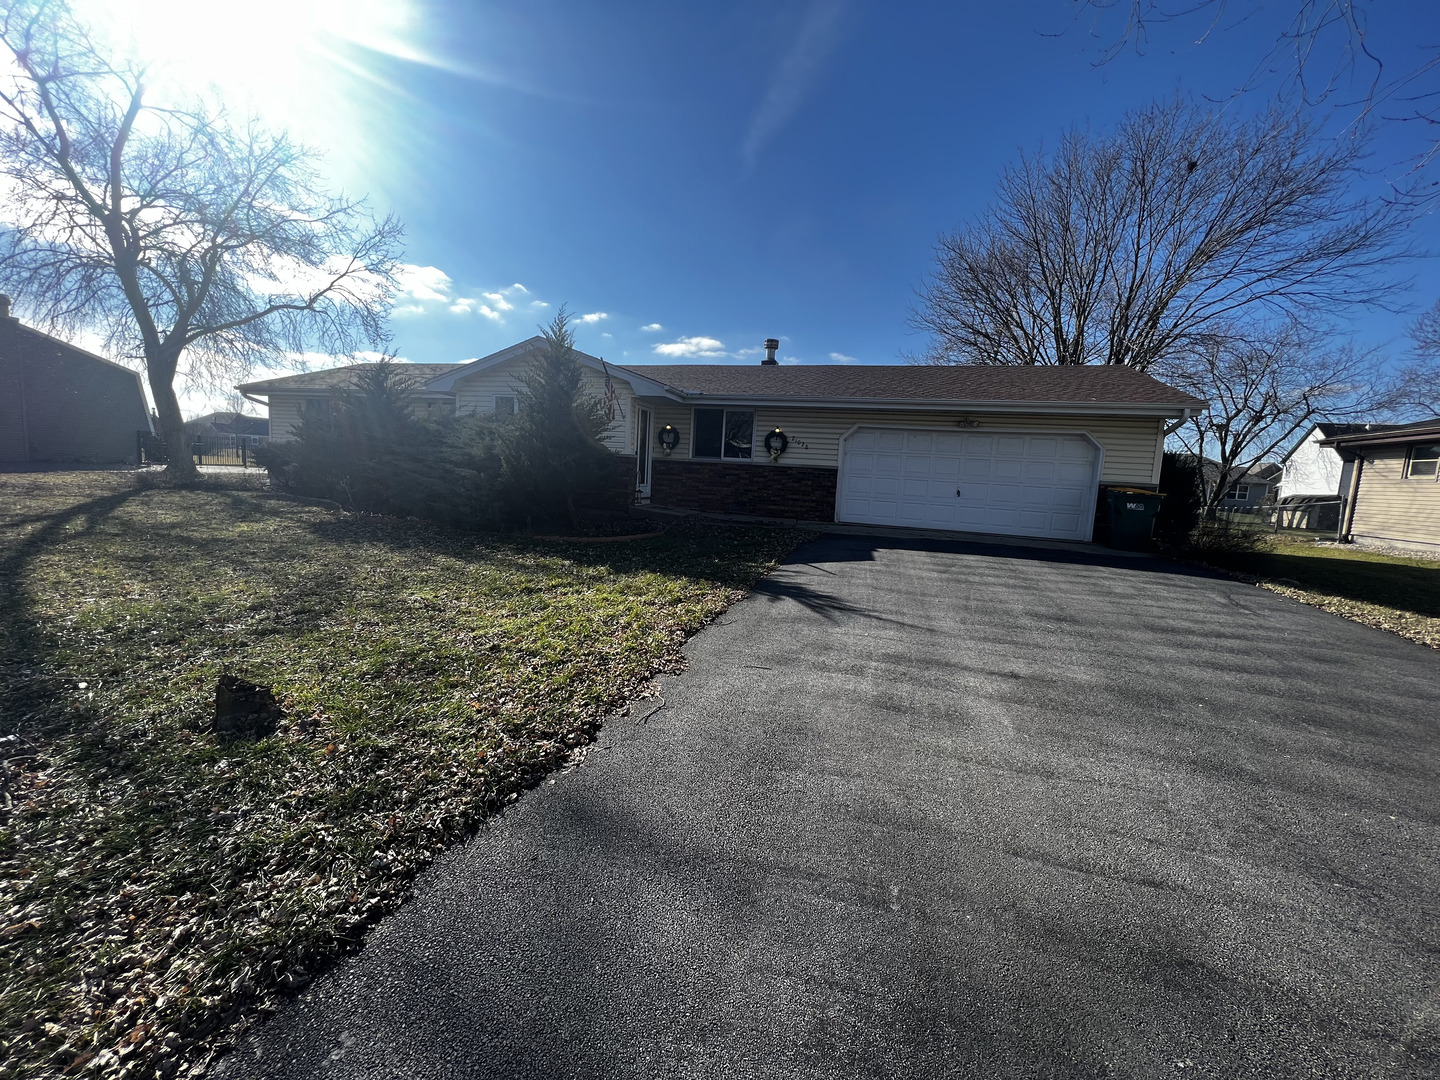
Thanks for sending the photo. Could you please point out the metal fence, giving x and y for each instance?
(1318, 517)
(209, 449)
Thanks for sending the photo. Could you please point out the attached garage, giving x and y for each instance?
(1016, 483)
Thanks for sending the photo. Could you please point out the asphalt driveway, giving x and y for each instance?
(945, 810)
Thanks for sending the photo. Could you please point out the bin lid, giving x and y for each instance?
(1135, 491)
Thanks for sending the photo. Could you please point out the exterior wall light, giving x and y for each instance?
(775, 443)
(668, 437)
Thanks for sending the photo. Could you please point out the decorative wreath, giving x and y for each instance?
(668, 437)
(776, 443)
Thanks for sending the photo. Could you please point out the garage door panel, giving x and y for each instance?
(1040, 484)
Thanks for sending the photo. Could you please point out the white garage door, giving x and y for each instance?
(1015, 483)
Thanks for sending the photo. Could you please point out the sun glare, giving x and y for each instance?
(293, 62)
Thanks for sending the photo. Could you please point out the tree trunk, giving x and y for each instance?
(172, 430)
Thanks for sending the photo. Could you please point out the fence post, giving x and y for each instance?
(244, 456)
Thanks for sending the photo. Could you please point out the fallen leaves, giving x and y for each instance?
(157, 894)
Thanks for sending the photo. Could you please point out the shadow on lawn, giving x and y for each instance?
(1405, 587)
(26, 683)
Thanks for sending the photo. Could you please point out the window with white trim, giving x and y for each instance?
(728, 434)
(506, 405)
(1424, 462)
(1238, 493)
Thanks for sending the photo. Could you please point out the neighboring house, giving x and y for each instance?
(229, 423)
(1394, 492)
(1018, 451)
(1249, 492)
(1312, 467)
(61, 404)
(1252, 490)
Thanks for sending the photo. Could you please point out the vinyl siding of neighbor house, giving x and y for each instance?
(1388, 506)
(1133, 446)
(476, 394)
(62, 404)
(1312, 469)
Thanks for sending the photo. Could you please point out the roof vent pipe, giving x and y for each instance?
(771, 344)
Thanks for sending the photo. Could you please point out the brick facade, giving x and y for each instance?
(762, 490)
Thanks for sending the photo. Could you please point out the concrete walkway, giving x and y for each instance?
(935, 809)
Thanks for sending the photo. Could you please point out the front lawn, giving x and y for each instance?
(1391, 592)
(162, 887)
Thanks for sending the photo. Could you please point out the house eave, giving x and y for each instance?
(1056, 408)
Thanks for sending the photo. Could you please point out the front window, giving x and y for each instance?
(506, 405)
(1238, 493)
(1424, 461)
(724, 433)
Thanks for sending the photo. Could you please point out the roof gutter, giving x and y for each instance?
(988, 405)
(1185, 415)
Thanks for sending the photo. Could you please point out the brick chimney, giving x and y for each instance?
(771, 344)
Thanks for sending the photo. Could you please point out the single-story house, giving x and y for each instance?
(61, 404)
(1251, 490)
(1394, 493)
(1018, 451)
(229, 423)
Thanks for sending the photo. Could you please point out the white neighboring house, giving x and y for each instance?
(1315, 470)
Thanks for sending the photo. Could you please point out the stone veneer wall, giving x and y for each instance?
(762, 490)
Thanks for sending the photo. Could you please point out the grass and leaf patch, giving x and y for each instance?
(1388, 591)
(160, 886)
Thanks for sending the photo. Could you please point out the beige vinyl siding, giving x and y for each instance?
(1133, 446)
(476, 394)
(284, 416)
(1390, 506)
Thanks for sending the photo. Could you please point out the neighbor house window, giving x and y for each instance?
(1424, 461)
(316, 408)
(723, 433)
(506, 405)
(1238, 492)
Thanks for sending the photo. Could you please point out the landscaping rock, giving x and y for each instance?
(244, 710)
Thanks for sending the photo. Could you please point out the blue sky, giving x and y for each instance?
(696, 177)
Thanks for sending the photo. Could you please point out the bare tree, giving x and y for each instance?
(1126, 248)
(195, 244)
(1265, 388)
(1417, 387)
(1323, 53)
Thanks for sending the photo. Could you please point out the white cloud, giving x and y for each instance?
(692, 347)
(791, 360)
(593, 317)
(753, 350)
(651, 328)
(841, 358)
(418, 283)
(499, 301)
(538, 304)
(607, 335)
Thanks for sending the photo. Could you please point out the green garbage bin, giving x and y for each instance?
(1128, 517)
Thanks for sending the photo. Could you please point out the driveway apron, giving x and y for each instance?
(934, 809)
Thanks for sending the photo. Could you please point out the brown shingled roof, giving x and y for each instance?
(334, 378)
(913, 382)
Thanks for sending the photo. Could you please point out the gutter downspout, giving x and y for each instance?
(1347, 520)
(255, 400)
(1178, 424)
